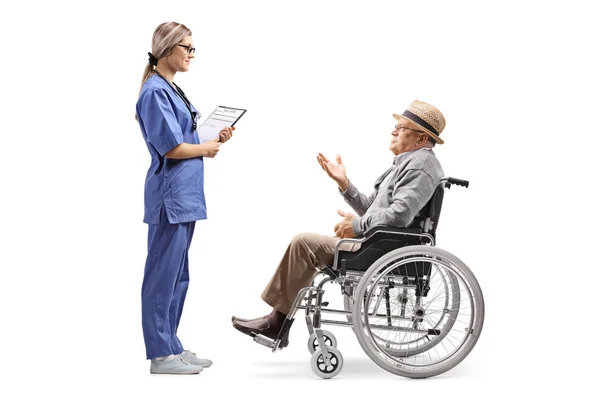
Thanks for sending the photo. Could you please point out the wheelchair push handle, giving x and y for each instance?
(454, 181)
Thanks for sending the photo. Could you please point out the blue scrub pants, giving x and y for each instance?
(166, 279)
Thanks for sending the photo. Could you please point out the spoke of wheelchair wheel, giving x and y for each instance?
(451, 336)
(433, 299)
(459, 314)
(464, 311)
(444, 279)
(404, 336)
(436, 350)
(425, 352)
(467, 299)
(445, 349)
(435, 295)
(430, 320)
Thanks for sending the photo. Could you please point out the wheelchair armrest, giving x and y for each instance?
(390, 234)
(379, 229)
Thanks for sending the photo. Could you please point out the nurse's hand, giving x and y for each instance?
(211, 148)
(226, 133)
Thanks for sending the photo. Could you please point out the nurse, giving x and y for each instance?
(173, 196)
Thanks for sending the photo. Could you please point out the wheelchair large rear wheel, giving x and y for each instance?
(418, 311)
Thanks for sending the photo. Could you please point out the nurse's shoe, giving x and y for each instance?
(173, 364)
(192, 359)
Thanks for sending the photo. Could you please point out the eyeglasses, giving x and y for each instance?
(189, 49)
(402, 129)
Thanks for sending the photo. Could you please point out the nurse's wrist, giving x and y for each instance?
(204, 149)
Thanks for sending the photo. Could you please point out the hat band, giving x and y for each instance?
(419, 121)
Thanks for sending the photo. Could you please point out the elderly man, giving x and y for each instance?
(399, 195)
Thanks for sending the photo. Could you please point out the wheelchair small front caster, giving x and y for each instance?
(313, 342)
(320, 367)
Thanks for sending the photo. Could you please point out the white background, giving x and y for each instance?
(518, 84)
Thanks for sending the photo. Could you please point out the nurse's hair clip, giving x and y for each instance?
(152, 60)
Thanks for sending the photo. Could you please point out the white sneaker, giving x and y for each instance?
(173, 365)
(192, 359)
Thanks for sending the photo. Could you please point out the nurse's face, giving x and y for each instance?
(181, 55)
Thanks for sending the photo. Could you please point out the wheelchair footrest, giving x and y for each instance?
(280, 341)
(265, 341)
(273, 344)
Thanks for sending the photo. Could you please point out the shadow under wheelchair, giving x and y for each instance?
(297, 369)
(416, 310)
(355, 369)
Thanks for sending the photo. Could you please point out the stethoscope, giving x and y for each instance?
(183, 97)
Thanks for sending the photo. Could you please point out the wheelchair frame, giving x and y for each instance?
(363, 283)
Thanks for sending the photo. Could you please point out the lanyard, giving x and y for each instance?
(183, 97)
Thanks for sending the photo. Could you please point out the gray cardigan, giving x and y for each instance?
(399, 193)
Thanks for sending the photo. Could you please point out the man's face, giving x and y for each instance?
(406, 136)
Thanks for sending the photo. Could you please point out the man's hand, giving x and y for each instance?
(226, 133)
(343, 229)
(337, 172)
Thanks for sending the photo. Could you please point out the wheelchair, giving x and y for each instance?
(416, 310)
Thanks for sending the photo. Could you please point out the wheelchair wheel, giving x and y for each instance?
(317, 363)
(418, 311)
(328, 337)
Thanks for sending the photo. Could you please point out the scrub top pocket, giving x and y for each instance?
(185, 196)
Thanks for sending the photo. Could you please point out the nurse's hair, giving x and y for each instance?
(165, 38)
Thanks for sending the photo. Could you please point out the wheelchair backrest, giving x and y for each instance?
(427, 219)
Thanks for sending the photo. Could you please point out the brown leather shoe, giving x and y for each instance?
(260, 326)
(234, 318)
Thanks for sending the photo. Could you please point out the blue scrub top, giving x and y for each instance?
(176, 185)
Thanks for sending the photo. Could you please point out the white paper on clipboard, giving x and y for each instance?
(219, 119)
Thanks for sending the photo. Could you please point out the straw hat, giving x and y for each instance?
(427, 117)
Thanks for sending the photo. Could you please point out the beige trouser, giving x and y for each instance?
(306, 255)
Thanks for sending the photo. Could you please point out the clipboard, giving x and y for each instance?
(220, 118)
